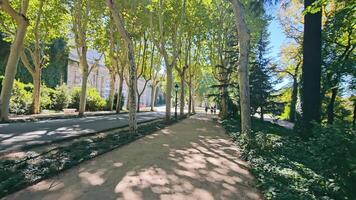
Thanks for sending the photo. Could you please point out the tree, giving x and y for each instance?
(338, 51)
(311, 68)
(86, 19)
(291, 53)
(260, 77)
(145, 70)
(155, 78)
(244, 48)
(182, 69)
(16, 48)
(161, 44)
(49, 19)
(119, 22)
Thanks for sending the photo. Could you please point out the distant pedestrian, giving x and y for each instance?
(206, 109)
(211, 109)
(214, 109)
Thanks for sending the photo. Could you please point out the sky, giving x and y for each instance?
(277, 38)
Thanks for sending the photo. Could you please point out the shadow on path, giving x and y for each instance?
(193, 159)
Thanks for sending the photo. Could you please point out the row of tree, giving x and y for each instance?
(193, 40)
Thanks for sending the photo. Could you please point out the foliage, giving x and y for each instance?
(61, 98)
(94, 101)
(288, 167)
(21, 98)
(47, 95)
(55, 73)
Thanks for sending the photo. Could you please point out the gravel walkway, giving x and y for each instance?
(193, 159)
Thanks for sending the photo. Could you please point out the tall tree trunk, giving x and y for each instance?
(294, 98)
(119, 21)
(169, 91)
(153, 97)
(262, 113)
(119, 95)
(112, 90)
(190, 96)
(354, 118)
(331, 105)
(36, 96)
(311, 68)
(83, 94)
(182, 101)
(15, 51)
(85, 73)
(223, 112)
(138, 102)
(244, 48)
(193, 102)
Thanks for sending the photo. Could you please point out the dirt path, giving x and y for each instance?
(193, 159)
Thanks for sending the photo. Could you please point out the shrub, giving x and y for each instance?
(61, 97)
(288, 167)
(21, 98)
(47, 95)
(94, 101)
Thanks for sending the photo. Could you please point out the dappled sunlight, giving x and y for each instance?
(191, 160)
(92, 178)
(15, 136)
(48, 185)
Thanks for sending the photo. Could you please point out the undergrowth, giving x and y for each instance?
(290, 168)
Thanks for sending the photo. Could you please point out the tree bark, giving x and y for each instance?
(354, 118)
(83, 94)
(85, 73)
(169, 91)
(294, 98)
(190, 96)
(331, 105)
(119, 95)
(182, 100)
(311, 68)
(36, 96)
(112, 90)
(223, 111)
(119, 21)
(153, 97)
(244, 47)
(193, 102)
(15, 51)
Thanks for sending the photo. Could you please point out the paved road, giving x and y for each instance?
(14, 136)
(191, 160)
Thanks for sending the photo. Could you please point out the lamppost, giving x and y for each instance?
(175, 111)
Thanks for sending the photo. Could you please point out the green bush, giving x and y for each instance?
(47, 95)
(288, 167)
(61, 98)
(94, 102)
(21, 98)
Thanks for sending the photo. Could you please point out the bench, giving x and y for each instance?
(69, 110)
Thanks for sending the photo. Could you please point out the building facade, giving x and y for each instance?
(99, 78)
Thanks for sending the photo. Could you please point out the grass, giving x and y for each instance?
(17, 174)
(288, 167)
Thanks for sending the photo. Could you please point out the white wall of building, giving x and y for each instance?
(99, 78)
